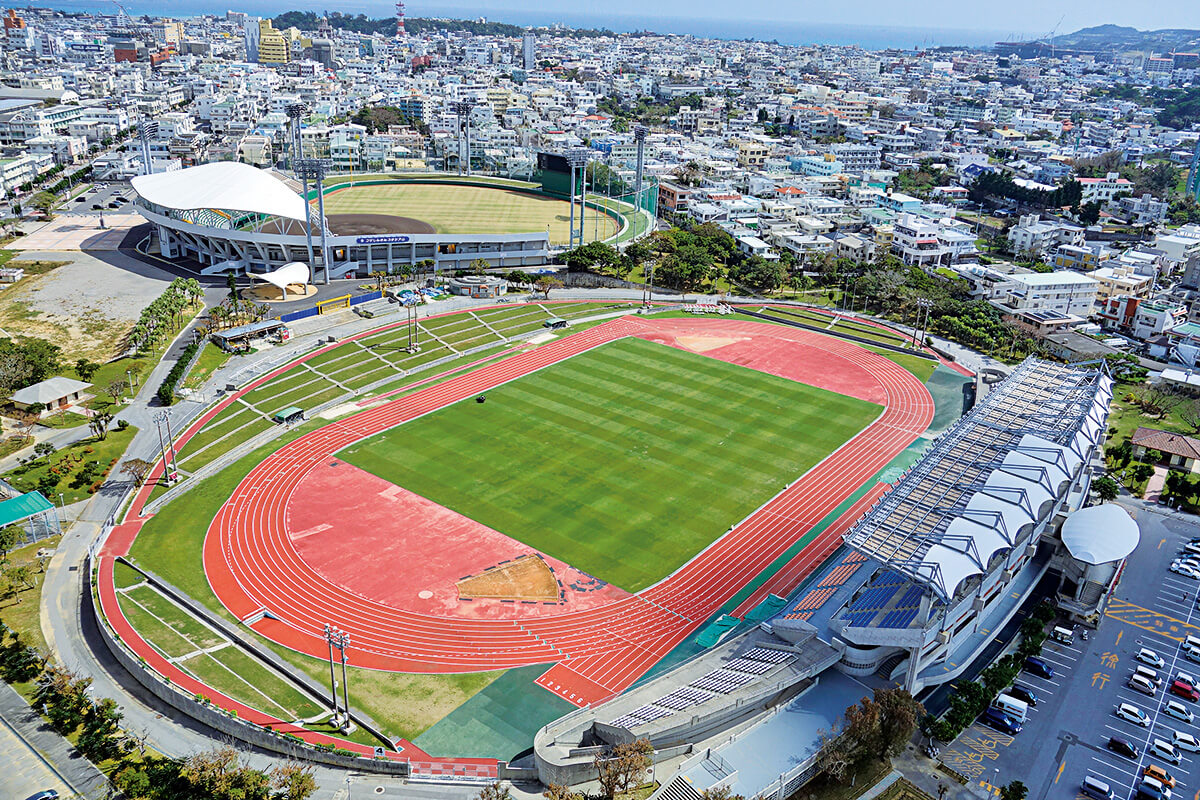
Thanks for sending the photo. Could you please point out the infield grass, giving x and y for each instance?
(624, 461)
(467, 209)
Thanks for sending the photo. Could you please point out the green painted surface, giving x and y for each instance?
(499, 721)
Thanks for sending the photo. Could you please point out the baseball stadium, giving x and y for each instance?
(228, 216)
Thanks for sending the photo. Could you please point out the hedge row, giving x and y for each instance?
(166, 392)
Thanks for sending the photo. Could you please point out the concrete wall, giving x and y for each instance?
(218, 719)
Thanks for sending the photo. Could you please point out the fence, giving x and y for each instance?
(323, 306)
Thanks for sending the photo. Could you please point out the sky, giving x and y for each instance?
(1039, 16)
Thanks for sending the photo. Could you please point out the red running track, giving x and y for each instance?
(252, 565)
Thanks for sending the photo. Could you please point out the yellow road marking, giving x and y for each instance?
(1063, 765)
(1161, 542)
(1119, 635)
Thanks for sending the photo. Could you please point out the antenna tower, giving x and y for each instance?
(399, 20)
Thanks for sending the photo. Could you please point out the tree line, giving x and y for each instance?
(163, 316)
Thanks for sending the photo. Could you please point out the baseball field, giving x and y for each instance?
(468, 209)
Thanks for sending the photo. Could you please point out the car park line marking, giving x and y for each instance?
(1110, 765)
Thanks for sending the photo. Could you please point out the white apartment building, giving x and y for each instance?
(1065, 292)
(856, 158)
(1032, 237)
(1120, 280)
(1102, 190)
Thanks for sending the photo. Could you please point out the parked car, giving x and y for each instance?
(1123, 748)
(1131, 713)
(1186, 741)
(1184, 690)
(995, 718)
(1164, 750)
(1039, 667)
(1192, 547)
(1186, 678)
(1159, 774)
(1186, 570)
(1023, 693)
(1153, 790)
(1191, 653)
(1176, 709)
(1148, 656)
(48, 794)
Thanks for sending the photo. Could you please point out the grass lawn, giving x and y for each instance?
(170, 545)
(211, 359)
(923, 368)
(70, 463)
(635, 428)
(466, 209)
(1126, 417)
(23, 613)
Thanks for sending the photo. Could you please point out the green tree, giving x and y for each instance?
(293, 781)
(44, 202)
(10, 537)
(101, 738)
(1014, 790)
(63, 697)
(899, 714)
(85, 369)
(758, 274)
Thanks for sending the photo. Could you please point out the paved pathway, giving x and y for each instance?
(37, 758)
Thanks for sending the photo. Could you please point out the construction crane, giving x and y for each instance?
(1049, 36)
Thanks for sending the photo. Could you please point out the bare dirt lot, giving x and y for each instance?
(85, 306)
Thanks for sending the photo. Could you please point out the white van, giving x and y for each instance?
(1096, 788)
(1191, 642)
(1064, 635)
(1148, 674)
(1165, 751)
(1017, 709)
(1140, 684)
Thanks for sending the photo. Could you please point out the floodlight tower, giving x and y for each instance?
(462, 108)
(639, 137)
(314, 169)
(147, 129)
(295, 111)
(576, 159)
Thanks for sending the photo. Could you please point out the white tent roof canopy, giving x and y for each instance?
(225, 185)
(1100, 534)
(296, 272)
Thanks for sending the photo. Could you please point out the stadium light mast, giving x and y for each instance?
(329, 632)
(147, 129)
(575, 158)
(315, 169)
(639, 138)
(295, 111)
(923, 303)
(462, 108)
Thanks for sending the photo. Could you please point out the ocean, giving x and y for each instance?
(870, 37)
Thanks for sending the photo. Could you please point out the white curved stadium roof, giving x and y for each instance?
(225, 185)
(1099, 534)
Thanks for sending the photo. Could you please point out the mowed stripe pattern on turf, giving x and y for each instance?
(467, 209)
(624, 461)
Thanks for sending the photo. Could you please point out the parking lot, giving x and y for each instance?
(109, 197)
(1066, 734)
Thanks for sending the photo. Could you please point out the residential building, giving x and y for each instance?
(1031, 237)
(1065, 292)
(1120, 280)
(1102, 190)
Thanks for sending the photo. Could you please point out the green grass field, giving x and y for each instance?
(624, 461)
(466, 209)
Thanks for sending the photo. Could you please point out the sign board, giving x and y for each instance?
(388, 239)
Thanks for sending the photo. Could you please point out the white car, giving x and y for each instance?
(1131, 713)
(1191, 561)
(1179, 711)
(1188, 679)
(1186, 571)
(1185, 741)
(1167, 751)
(1191, 653)
(1192, 547)
(1148, 656)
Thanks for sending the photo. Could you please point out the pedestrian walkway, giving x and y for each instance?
(37, 758)
(1154, 486)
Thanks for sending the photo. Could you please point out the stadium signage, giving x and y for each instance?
(392, 239)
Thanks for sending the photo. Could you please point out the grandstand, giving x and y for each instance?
(940, 562)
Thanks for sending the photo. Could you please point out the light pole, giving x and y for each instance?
(129, 375)
(639, 138)
(575, 158)
(295, 111)
(162, 449)
(147, 128)
(165, 418)
(337, 717)
(462, 109)
(925, 304)
(315, 169)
